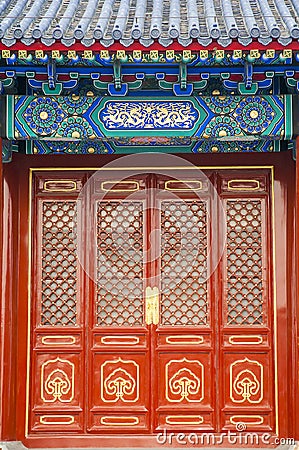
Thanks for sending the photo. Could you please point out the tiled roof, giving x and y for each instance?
(149, 21)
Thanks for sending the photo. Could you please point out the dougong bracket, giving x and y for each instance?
(51, 72)
(183, 75)
(118, 88)
(183, 88)
(248, 74)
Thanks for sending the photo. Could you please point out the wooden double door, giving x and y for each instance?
(151, 303)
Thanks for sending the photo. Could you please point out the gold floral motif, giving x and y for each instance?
(184, 382)
(120, 381)
(246, 385)
(57, 381)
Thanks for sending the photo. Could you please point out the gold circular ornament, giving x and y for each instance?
(44, 115)
(254, 114)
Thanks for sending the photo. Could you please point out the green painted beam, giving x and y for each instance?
(227, 118)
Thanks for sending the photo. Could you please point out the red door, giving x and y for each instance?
(152, 303)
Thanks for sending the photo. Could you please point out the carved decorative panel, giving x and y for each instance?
(246, 381)
(244, 262)
(57, 381)
(59, 264)
(120, 381)
(202, 117)
(57, 388)
(184, 259)
(184, 381)
(119, 263)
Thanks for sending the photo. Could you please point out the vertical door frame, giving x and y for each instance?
(9, 198)
(1, 297)
(295, 309)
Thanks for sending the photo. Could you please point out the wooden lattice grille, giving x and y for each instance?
(184, 255)
(119, 263)
(244, 262)
(59, 264)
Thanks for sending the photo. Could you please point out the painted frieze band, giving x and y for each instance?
(76, 118)
(148, 144)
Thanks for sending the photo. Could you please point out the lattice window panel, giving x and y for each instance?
(59, 264)
(119, 263)
(244, 253)
(184, 256)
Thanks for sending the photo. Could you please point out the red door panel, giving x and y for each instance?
(248, 371)
(51, 422)
(57, 367)
(185, 340)
(57, 380)
(118, 392)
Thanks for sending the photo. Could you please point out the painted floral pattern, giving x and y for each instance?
(44, 115)
(254, 114)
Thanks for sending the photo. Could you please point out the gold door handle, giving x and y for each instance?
(148, 305)
(155, 306)
(152, 306)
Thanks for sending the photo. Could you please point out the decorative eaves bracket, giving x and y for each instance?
(118, 88)
(8, 81)
(51, 71)
(52, 86)
(291, 80)
(248, 86)
(183, 88)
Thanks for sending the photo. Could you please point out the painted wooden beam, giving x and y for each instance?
(77, 118)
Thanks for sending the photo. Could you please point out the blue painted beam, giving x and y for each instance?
(150, 69)
(228, 118)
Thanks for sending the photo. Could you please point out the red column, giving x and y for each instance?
(297, 292)
(8, 313)
(1, 295)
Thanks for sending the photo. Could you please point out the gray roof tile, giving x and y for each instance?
(107, 21)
